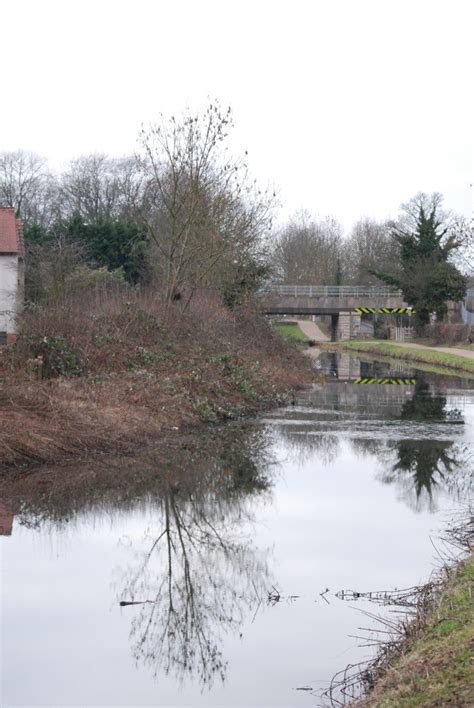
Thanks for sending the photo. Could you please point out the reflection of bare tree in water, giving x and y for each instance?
(368, 447)
(304, 444)
(200, 573)
(196, 567)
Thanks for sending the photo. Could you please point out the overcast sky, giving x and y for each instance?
(349, 108)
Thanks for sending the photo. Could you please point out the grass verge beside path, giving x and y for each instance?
(453, 362)
(290, 331)
(436, 668)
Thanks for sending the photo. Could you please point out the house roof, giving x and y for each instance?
(11, 232)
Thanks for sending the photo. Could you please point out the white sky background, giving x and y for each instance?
(348, 107)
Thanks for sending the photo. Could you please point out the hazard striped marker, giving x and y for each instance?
(384, 310)
(400, 382)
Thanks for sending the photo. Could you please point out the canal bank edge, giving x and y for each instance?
(179, 384)
(433, 663)
(445, 361)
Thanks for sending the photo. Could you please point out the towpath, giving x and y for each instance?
(311, 330)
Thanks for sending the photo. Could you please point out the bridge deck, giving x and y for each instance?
(327, 299)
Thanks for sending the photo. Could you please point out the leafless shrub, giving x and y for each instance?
(445, 333)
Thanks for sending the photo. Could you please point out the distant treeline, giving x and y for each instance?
(181, 215)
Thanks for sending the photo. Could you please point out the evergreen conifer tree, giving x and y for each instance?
(425, 276)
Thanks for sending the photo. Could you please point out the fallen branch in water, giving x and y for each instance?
(406, 597)
(274, 596)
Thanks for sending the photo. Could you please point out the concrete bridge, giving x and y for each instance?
(342, 302)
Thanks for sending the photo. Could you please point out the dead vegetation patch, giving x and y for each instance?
(109, 372)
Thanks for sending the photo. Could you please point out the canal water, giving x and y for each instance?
(206, 573)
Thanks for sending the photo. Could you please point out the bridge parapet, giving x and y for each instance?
(333, 291)
(327, 299)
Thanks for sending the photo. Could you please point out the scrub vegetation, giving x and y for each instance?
(139, 277)
(111, 371)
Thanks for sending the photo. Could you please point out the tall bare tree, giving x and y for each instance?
(25, 184)
(368, 247)
(464, 258)
(96, 186)
(202, 211)
(308, 251)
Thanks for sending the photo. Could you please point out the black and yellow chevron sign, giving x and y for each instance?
(406, 382)
(384, 311)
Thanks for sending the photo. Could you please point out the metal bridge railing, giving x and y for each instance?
(336, 291)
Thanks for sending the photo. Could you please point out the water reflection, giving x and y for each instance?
(423, 467)
(303, 445)
(197, 579)
(232, 461)
(195, 516)
(423, 405)
(411, 430)
(194, 574)
(6, 519)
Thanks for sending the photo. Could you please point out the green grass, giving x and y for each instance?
(415, 365)
(446, 361)
(436, 670)
(454, 345)
(290, 332)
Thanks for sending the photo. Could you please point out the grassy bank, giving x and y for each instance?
(111, 373)
(434, 667)
(442, 360)
(418, 365)
(291, 332)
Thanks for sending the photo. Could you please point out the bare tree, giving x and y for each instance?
(409, 215)
(464, 258)
(25, 183)
(308, 251)
(369, 247)
(201, 209)
(96, 186)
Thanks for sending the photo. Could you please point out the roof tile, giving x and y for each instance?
(11, 232)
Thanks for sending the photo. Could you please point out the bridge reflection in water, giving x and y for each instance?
(406, 427)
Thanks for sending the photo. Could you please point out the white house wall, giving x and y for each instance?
(8, 292)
